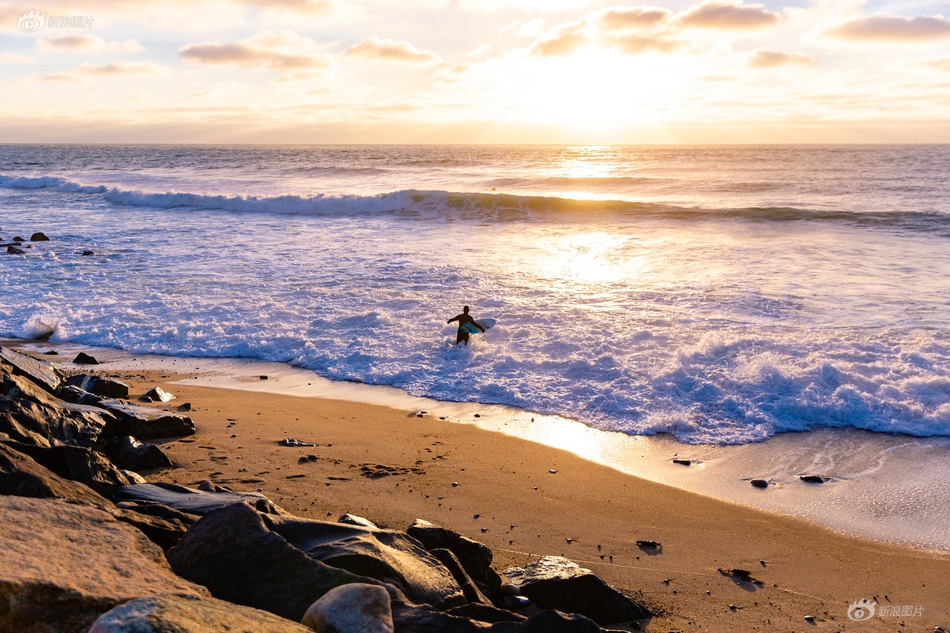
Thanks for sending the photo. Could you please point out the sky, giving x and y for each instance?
(475, 71)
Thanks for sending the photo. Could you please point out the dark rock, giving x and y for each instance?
(651, 547)
(23, 422)
(509, 589)
(132, 454)
(157, 394)
(13, 250)
(289, 441)
(51, 352)
(56, 419)
(190, 500)
(82, 358)
(100, 386)
(475, 558)
(739, 574)
(184, 407)
(554, 582)
(147, 423)
(174, 614)
(64, 565)
(88, 253)
(18, 239)
(760, 483)
(485, 613)
(79, 464)
(683, 462)
(414, 618)
(386, 555)
(812, 479)
(469, 589)
(39, 237)
(22, 476)
(352, 519)
(39, 371)
(353, 608)
(78, 396)
(232, 553)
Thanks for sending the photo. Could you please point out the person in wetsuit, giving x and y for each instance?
(464, 319)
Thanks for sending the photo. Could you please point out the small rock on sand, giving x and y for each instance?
(760, 483)
(83, 358)
(39, 237)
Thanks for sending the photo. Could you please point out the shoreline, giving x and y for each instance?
(393, 467)
(885, 488)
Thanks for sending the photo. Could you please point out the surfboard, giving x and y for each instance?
(485, 323)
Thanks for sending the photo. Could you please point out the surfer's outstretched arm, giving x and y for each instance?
(453, 319)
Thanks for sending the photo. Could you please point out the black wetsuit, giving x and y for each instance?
(462, 320)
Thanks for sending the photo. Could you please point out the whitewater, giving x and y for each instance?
(720, 294)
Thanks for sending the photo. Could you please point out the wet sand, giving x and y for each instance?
(392, 466)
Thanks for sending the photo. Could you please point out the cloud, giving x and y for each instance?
(633, 44)
(620, 18)
(376, 48)
(561, 40)
(271, 50)
(308, 7)
(938, 63)
(88, 43)
(13, 58)
(764, 58)
(85, 71)
(454, 73)
(892, 28)
(728, 16)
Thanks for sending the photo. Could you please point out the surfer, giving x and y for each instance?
(465, 319)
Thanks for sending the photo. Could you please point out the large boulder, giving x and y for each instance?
(79, 464)
(21, 476)
(39, 371)
(59, 421)
(64, 565)
(386, 555)
(147, 423)
(175, 614)
(99, 385)
(190, 500)
(232, 553)
(354, 608)
(554, 582)
(475, 557)
(132, 454)
(23, 422)
(164, 532)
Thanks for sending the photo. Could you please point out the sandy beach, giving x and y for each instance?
(525, 500)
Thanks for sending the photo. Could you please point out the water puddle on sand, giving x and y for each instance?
(892, 488)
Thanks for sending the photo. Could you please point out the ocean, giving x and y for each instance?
(722, 295)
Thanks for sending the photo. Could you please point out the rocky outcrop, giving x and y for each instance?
(147, 423)
(64, 565)
(182, 614)
(232, 553)
(39, 371)
(21, 476)
(354, 608)
(80, 464)
(100, 386)
(190, 500)
(474, 557)
(553, 582)
(386, 555)
(56, 420)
